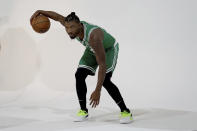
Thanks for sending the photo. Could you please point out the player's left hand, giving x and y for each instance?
(95, 98)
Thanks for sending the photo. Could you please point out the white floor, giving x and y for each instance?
(36, 108)
(52, 117)
(35, 118)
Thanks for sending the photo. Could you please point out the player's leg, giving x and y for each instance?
(114, 92)
(81, 88)
(87, 66)
(111, 60)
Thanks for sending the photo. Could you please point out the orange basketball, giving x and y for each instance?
(41, 24)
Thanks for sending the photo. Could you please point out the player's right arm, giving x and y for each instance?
(51, 14)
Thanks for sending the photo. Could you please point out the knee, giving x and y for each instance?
(105, 83)
(80, 74)
(107, 80)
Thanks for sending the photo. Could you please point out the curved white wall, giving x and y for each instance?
(19, 59)
(157, 61)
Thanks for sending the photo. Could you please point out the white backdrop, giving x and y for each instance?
(157, 60)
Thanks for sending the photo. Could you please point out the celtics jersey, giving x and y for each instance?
(108, 40)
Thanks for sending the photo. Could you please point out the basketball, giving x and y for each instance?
(41, 24)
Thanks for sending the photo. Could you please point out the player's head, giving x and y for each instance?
(72, 24)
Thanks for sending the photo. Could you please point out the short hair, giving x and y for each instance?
(72, 17)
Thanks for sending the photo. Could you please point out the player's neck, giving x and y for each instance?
(81, 33)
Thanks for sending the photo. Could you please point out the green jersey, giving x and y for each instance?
(111, 46)
(108, 40)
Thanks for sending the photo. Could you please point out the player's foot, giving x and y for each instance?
(125, 117)
(81, 116)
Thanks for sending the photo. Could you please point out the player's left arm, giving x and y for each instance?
(96, 42)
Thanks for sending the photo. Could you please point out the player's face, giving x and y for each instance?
(72, 28)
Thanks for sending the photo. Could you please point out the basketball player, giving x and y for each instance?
(101, 51)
